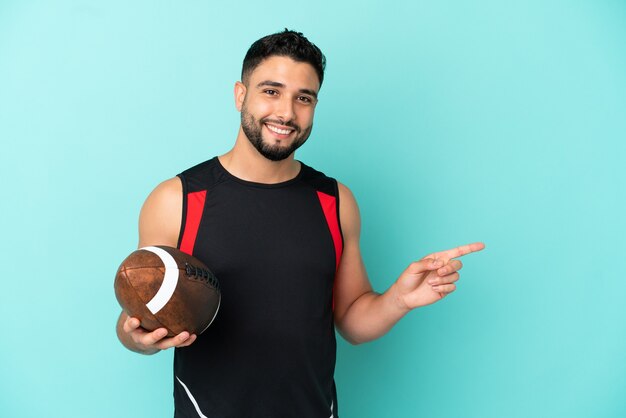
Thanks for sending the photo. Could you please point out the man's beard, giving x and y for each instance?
(252, 128)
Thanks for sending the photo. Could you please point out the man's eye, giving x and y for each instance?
(305, 99)
(271, 92)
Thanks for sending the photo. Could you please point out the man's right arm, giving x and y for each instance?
(159, 224)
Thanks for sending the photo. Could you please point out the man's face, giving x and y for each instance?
(277, 105)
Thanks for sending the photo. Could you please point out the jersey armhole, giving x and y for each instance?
(183, 218)
(336, 186)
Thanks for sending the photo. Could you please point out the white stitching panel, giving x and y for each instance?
(170, 280)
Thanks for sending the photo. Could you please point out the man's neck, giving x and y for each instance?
(245, 162)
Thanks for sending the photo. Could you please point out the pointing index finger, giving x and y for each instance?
(458, 251)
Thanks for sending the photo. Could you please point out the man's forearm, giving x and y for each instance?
(371, 316)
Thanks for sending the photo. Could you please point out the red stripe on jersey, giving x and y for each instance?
(195, 207)
(329, 206)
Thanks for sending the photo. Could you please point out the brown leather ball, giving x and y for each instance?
(166, 288)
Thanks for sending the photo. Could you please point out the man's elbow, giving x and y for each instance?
(351, 337)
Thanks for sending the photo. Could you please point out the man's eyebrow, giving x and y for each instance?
(281, 85)
(309, 92)
(270, 83)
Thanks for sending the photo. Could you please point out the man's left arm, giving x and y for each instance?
(363, 315)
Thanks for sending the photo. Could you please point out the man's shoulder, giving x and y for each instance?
(327, 184)
(202, 176)
(199, 168)
(318, 180)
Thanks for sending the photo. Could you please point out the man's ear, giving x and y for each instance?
(240, 94)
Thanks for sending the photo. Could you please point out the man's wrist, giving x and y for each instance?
(396, 300)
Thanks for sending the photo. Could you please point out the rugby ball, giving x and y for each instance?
(166, 288)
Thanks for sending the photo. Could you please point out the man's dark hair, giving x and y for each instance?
(285, 44)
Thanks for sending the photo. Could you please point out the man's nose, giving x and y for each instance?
(285, 110)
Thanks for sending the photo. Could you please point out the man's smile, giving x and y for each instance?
(281, 131)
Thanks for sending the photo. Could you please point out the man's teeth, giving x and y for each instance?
(278, 131)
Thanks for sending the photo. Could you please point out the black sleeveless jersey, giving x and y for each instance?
(275, 249)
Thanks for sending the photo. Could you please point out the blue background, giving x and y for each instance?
(451, 121)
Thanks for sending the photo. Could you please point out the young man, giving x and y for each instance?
(283, 239)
